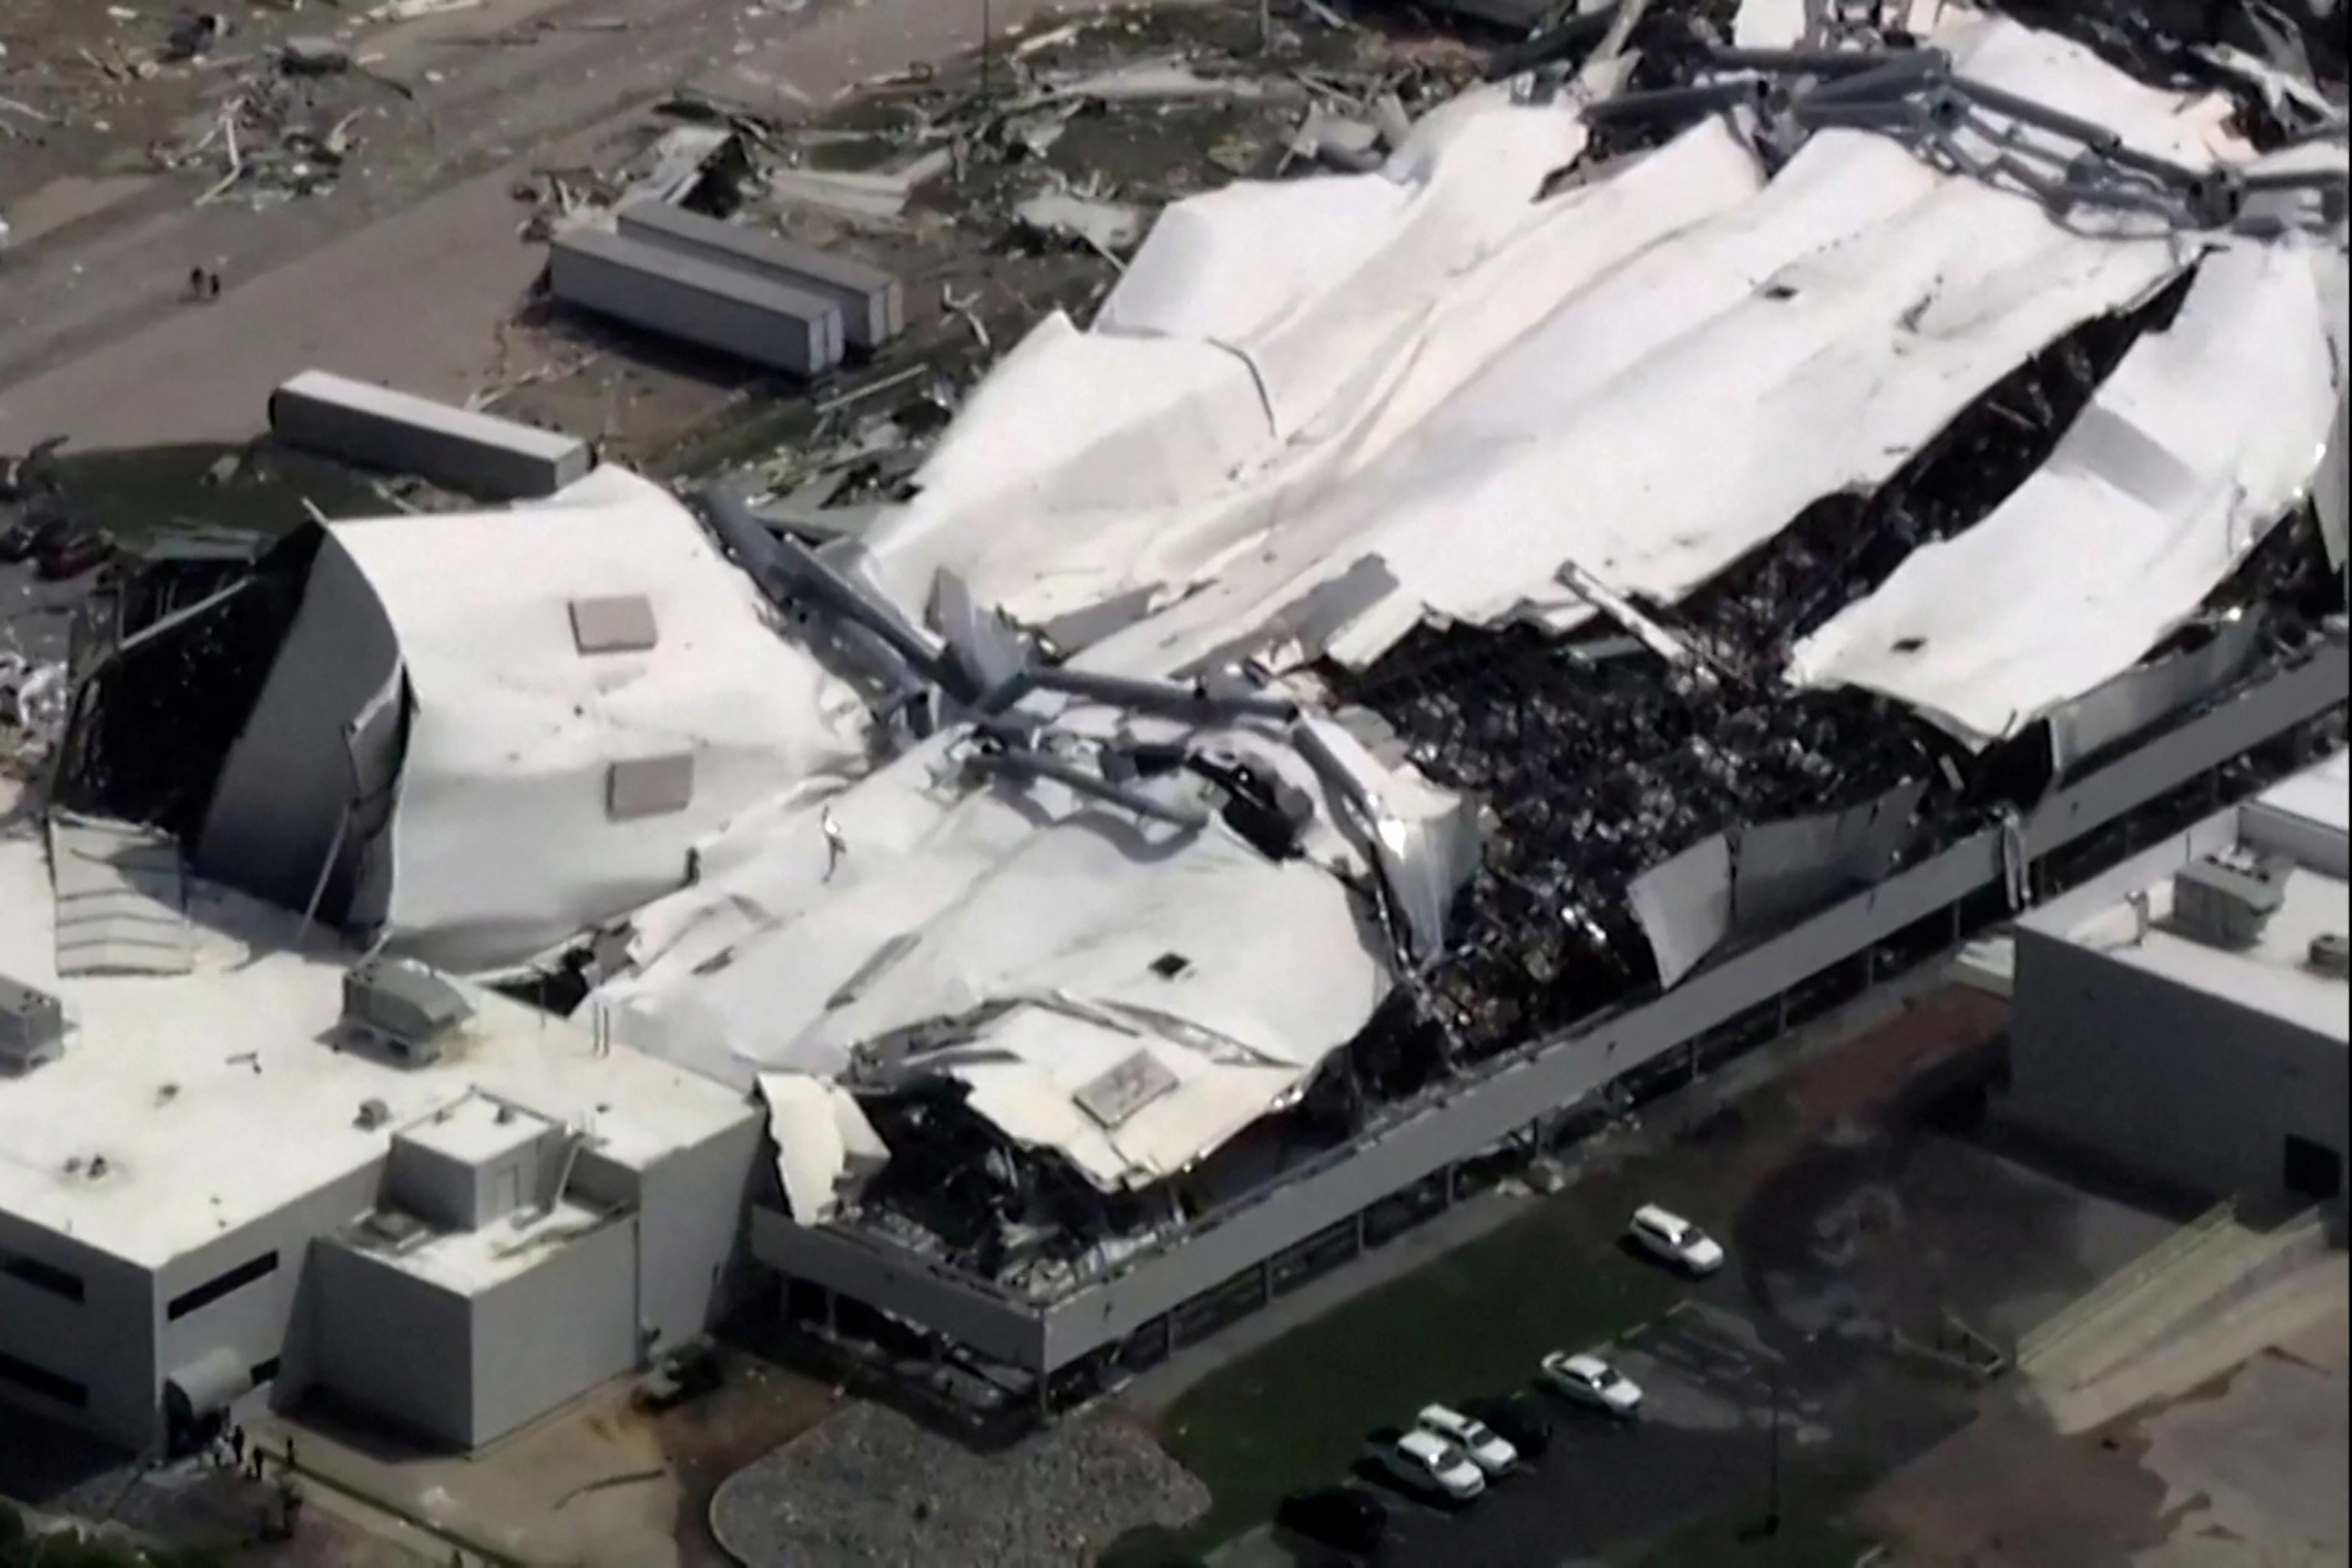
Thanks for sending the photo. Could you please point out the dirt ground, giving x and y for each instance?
(408, 267)
(596, 1483)
(2245, 1469)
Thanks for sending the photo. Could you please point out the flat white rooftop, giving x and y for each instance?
(476, 1131)
(2273, 977)
(209, 1100)
(468, 1262)
(2320, 795)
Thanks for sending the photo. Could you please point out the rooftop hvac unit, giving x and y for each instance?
(2226, 903)
(410, 1009)
(32, 1026)
(2332, 955)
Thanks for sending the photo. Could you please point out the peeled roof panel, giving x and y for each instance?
(2196, 447)
(501, 839)
(1820, 334)
(1037, 920)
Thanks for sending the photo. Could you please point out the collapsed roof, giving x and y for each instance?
(485, 731)
(1646, 542)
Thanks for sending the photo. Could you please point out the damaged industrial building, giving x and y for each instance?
(1713, 515)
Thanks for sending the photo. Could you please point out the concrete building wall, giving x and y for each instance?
(2166, 1079)
(252, 1319)
(388, 1343)
(554, 1330)
(691, 1208)
(77, 1330)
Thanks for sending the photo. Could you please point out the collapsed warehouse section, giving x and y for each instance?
(1426, 610)
(1485, 553)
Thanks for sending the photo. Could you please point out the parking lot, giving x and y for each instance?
(1851, 1225)
(1712, 1381)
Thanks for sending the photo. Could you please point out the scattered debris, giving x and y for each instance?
(313, 56)
(1108, 227)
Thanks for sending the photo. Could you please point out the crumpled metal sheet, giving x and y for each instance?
(1685, 906)
(2205, 436)
(1781, 871)
(2139, 697)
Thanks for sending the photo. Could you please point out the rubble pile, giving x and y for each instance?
(281, 127)
(1596, 764)
(1057, 1497)
(32, 698)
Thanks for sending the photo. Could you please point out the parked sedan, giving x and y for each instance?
(1339, 1518)
(1670, 1237)
(1488, 1450)
(1587, 1380)
(1427, 1463)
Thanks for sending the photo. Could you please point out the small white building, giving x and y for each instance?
(228, 1165)
(2186, 1015)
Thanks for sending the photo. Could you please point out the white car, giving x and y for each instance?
(1488, 1451)
(1588, 1380)
(1428, 1463)
(1675, 1239)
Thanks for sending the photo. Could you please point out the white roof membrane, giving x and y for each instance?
(2197, 444)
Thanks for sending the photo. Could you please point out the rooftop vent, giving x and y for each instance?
(32, 1026)
(389, 1230)
(2332, 955)
(411, 1010)
(2226, 902)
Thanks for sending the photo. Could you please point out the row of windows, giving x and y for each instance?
(221, 1285)
(39, 1380)
(65, 1283)
(42, 1276)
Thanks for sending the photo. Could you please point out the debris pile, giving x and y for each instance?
(1022, 179)
(283, 127)
(1597, 764)
(1061, 1496)
(33, 698)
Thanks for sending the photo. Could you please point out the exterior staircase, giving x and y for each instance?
(2188, 1279)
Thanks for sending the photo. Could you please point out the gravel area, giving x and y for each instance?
(872, 1489)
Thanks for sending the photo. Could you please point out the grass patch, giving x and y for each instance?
(140, 494)
(1474, 1322)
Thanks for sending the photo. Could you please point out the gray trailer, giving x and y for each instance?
(374, 427)
(696, 300)
(873, 304)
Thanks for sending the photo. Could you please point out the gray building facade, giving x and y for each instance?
(2210, 1057)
